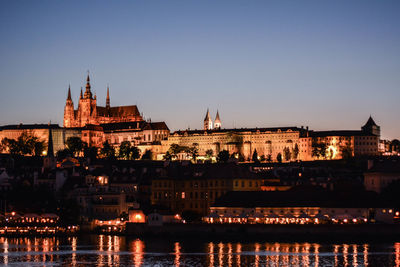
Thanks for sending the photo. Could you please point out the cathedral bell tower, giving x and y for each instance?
(87, 106)
(217, 122)
(208, 124)
(69, 118)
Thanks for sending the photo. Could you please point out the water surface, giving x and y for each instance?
(108, 250)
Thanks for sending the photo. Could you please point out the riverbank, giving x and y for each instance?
(270, 232)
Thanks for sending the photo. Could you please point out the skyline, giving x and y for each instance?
(261, 64)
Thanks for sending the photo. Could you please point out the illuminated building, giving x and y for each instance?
(89, 113)
(290, 206)
(196, 187)
(41, 131)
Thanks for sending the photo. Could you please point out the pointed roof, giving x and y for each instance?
(217, 119)
(207, 118)
(69, 93)
(50, 149)
(81, 94)
(88, 93)
(370, 122)
(108, 97)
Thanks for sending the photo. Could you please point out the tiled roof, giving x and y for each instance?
(119, 111)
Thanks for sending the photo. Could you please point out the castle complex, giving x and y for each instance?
(96, 125)
(89, 113)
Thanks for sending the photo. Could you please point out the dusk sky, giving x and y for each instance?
(323, 64)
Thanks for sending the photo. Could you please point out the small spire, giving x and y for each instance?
(88, 93)
(217, 122)
(50, 149)
(108, 97)
(217, 117)
(69, 93)
(81, 94)
(207, 118)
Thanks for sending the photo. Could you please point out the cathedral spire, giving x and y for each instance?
(217, 122)
(208, 124)
(88, 93)
(69, 93)
(81, 94)
(108, 97)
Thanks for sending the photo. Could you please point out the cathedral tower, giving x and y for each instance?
(217, 122)
(208, 124)
(87, 107)
(69, 117)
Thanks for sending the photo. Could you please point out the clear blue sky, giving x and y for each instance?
(325, 64)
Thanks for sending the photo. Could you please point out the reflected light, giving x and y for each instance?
(177, 254)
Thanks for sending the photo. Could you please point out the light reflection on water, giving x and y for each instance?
(107, 250)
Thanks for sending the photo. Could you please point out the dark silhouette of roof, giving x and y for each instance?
(339, 133)
(132, 126)
(370, 122)
(386, 166)
(29, 126)
(304, 196)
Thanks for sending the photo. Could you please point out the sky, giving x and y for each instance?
(328, 65)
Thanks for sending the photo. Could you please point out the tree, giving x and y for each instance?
(147, 155)
(295, 151)
(135, 153)
(262, 158)
(167, 156)
(269, 158)
(39, 147)
(255, 156)
(279, 157)
(193, 152)
(124, 150)
(90, 152)
(127, 151)
(223, 156)
(287, 154)
(174, 150)
(25, 144)
(107, 150)
(347, 151)
(319, 150)
(63, 154)
(75, 145)
(209, 153)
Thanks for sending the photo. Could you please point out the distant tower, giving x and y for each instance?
(208, 124)
(372, 128)
(49, 162)
(69, 117)
(108, 98)
(217, 122)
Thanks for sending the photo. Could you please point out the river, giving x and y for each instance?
(108, 250)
